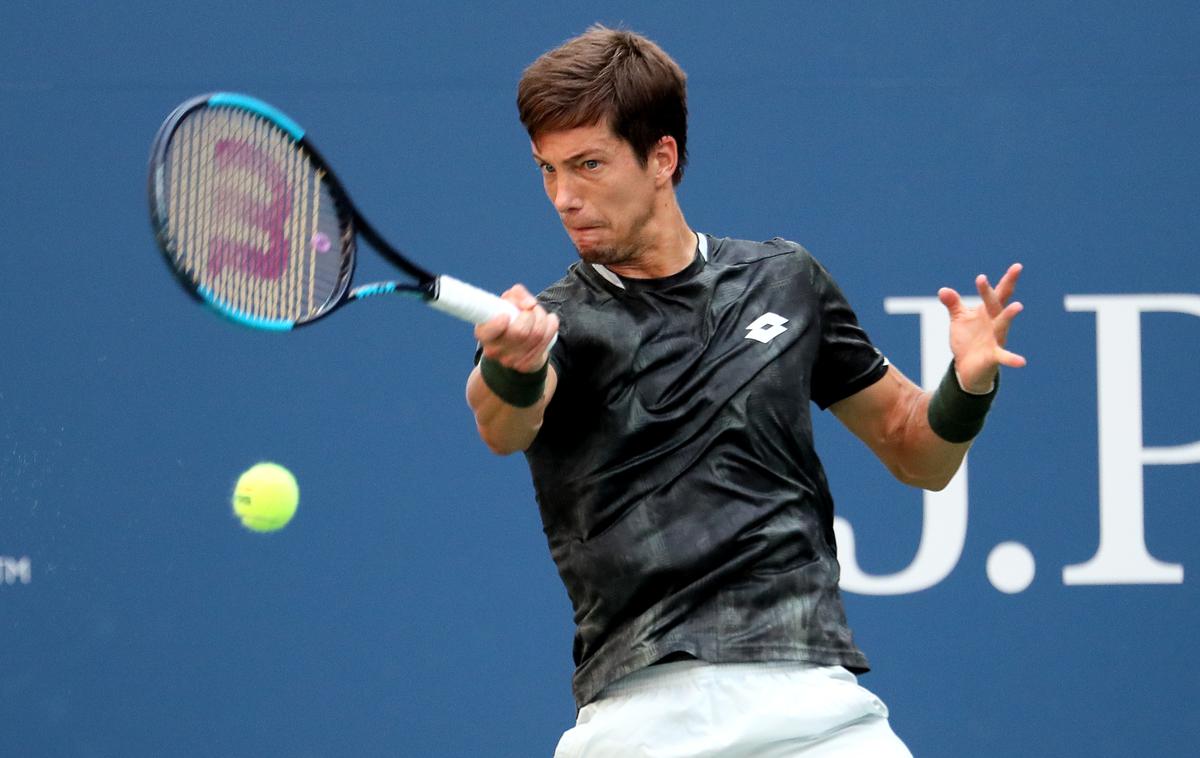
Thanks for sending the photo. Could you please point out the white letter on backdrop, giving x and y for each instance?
(1122, 557)
(944, 519)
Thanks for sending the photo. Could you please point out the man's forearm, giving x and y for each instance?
(506, 428)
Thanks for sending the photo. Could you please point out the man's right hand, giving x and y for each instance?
(521, 343)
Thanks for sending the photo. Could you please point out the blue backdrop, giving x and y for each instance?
(411, 608)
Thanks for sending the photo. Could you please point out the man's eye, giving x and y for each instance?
(591, 165)
(547, 168)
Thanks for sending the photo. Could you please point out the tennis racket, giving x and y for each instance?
(255, 224)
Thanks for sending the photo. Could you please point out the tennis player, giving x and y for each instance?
(668, 434)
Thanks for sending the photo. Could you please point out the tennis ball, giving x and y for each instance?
(265, 497)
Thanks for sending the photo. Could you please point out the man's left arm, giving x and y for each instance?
(922, 436)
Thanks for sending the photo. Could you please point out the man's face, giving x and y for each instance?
(602, 193)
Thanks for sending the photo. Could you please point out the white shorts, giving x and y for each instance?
(733, 710)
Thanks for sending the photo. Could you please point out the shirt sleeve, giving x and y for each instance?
(846, 361)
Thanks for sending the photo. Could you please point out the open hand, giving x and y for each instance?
(978, 335)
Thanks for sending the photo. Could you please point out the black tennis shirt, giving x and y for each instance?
(679, 489)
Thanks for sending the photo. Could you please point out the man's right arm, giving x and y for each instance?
(510, 402)
(503, 427)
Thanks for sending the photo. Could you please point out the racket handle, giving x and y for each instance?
(468, 302)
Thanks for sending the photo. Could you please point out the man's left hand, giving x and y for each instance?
(978, 335)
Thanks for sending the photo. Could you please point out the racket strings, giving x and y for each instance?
(252, 222)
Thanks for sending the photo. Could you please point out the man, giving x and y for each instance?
(660, 392)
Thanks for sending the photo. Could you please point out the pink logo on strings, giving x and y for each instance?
(269, 215)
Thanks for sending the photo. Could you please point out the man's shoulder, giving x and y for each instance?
(731, 251)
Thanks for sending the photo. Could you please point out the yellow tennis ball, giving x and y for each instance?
(265, 497)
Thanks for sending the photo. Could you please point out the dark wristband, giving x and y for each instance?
(956, 415)
(517, 388)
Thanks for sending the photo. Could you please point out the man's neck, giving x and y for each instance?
(670, 250)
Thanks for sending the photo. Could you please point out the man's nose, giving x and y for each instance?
(566, 195)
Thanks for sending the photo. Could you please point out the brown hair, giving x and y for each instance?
(608, 74)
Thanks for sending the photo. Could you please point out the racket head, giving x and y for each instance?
(248, 215)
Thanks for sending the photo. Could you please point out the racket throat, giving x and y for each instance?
(372, 289)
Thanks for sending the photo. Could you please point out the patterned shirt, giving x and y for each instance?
(675, 472)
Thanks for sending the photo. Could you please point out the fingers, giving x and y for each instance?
(1006, 316)
(996, 298)
(520, 297)
(952, 300)
(489, 331)
(538, 343)
(1010, 359)
(1002, 321)
(991, 301)
(519, 342)
(1008, 282)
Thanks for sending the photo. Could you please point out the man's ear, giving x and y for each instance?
(664, 156)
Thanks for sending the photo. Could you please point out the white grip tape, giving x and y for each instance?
(468, 302)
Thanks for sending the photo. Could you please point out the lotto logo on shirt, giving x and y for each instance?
(766, 327)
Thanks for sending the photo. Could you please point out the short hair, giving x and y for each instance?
(608, 74)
